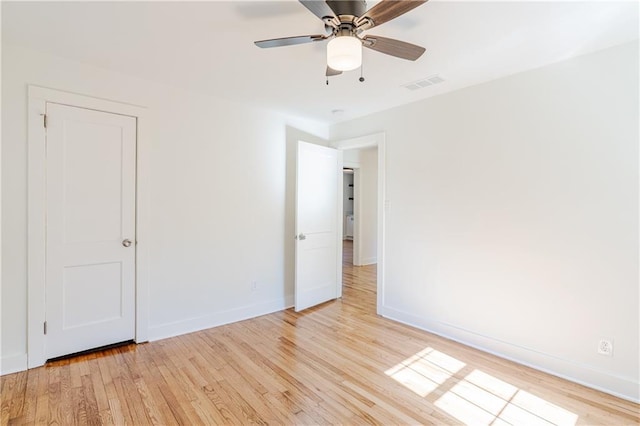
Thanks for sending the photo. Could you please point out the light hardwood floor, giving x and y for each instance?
(336, 363)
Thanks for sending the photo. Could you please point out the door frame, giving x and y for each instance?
(370, 141)
(36, 211)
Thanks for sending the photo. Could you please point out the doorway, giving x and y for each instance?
(359, 283)
(87, 273)
(359, 218)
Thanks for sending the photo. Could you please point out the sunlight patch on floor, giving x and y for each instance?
(425, 371)
(478, 397)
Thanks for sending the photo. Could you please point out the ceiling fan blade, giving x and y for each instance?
(397, 48)
(348, 7)
(387, 10)
(319, 8)
(331, 72)
(289, 41)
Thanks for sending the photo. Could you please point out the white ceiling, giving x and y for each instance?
(208, 46)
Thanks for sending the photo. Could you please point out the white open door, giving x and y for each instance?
(318, 188)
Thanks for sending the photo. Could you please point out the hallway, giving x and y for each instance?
(358, 282)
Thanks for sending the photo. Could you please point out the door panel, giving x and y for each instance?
(317, 210)
(81, 283)
(93, 159)
(90, 274)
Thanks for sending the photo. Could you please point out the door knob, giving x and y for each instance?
(302, 237)
(126, 243)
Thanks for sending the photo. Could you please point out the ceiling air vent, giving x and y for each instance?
(425, 82)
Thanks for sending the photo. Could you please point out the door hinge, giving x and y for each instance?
(45, 327)
(44, 120)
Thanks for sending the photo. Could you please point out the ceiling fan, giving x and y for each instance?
(345, 21)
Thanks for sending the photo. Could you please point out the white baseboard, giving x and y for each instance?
(216, 319)
(622, 387)
(13, 364)
(368, 261)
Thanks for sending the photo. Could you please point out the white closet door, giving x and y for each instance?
(90, 247)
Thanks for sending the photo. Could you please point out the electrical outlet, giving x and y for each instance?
(605, 347)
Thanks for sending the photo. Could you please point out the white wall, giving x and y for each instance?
(211, 236)
(512, 219)
(351, 157)
(368, 214)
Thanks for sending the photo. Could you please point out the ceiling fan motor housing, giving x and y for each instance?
(354, 8)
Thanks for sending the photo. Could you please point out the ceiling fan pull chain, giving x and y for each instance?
(361, 79)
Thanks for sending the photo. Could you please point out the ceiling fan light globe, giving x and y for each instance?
(344, 53)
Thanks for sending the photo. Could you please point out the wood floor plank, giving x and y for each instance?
(19, 386)
(42, 396)
(91, 404)
(55, 395)
(337, 363)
